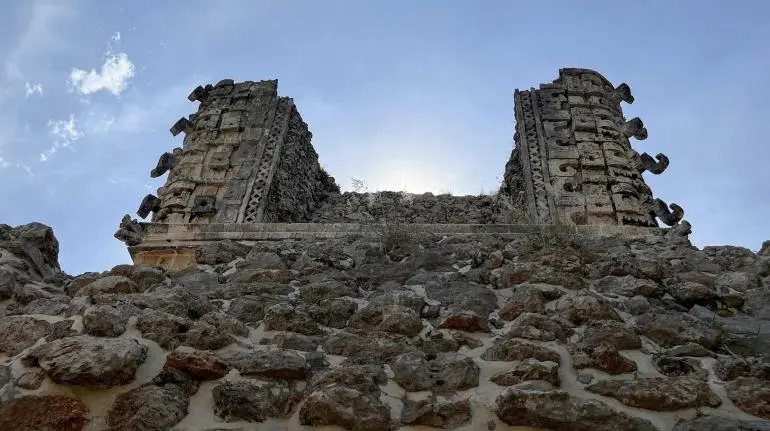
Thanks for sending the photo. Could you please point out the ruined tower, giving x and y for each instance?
(248, 172)
(246, 158)
(573, 162)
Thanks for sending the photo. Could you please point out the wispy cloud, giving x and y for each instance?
(113, 75)
(3, 163)
(32, 89)
(64, 132)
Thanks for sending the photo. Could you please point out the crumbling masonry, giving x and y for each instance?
(248, 171)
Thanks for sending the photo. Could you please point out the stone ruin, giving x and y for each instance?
(247, 171)
(262, 298)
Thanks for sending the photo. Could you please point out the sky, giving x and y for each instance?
(413, 95)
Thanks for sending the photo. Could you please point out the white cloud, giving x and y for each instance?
(3, 163)
(116, 37)
(32, 89)
(64, 132)
(113, 76)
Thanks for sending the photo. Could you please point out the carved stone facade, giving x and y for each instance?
(232, 149)
(573, 162)
(247, 164)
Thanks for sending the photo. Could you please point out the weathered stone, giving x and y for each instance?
(31, 379)
(628, 286)
(274, 363)
(671, 328)
(539, 327)
(530, 369)
(387, 318)
(345, 407)
(284, 317)
(46, 412)
(334, 313)
(750, 394)
(296, 342)
(559, 411)
(168, 330)
(363, 378)
(220, 252)
(463, 296)
(252, 401)
(108, 284)
(447, 372)
(468, 321)
(106, 320)
(580, 308)
(143, 276)
(226, 323)
(7, 283)
(525, 299)
(88, 361)
(200, 364)
(251, 308)
(148, 408)
(730, 368)
(720, 423)
(512, 349)
(20, 332)
(436, 412)
(659, 393)
(330, 289)
(383, 346)
(398, 296)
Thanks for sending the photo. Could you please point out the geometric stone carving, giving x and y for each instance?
(130, 231)
(150, 203)
(182, 125)
(654, 166)
(199, 94)
(573, 160)
(166, 162)
(669, 217)
(204, 205)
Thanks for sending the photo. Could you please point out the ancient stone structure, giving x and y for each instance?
(573, 162)
(247, 168)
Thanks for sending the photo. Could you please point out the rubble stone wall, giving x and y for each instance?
(398, 331)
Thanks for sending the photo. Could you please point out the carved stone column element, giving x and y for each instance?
(572, 157)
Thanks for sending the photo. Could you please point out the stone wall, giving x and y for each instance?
(398, 331)
(299, 184)
(401, 207)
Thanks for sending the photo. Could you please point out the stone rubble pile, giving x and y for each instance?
(548, 331)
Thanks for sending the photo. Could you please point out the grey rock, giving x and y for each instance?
(252, 401)
(751, 395)
(530, 369)
(670, 329)
(284, 317)
(274, 363)
(220, 252)
(345, 407)
(446, 372)
(559, 411)
(659, 393)
(106, 320)
(148, 408)
(20, 332)
(108, 284)
(437, 412)
(720, 423)
(88, 361)
(329, 289)
(388, 318)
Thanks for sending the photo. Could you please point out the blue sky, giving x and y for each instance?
(403, 94)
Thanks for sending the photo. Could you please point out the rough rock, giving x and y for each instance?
(512, 349)
(200, 364)
(720, 423)
(525, 299)
(108, 284)
(106, 320)
(274, 363)
(437, 412)
(89, 361)
(580, 308)
(252, 401)
(539, 327)
(530, 369)
(387, 318)
(750, 394)
(284, 317)
(148, 408)
(559, 411)
(47, 412)
(671, 329)
(447, 372)
(20, 332)
(659, 393)
(345, 407)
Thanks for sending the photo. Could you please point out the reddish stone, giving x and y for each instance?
(32, 413)
(467, 321)
(198, 363)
